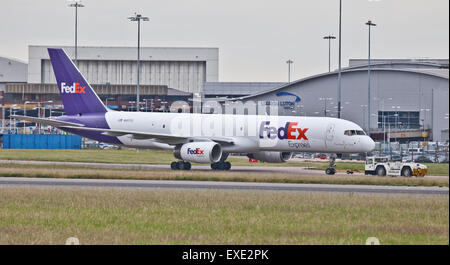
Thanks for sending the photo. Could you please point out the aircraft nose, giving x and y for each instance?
(369, 144)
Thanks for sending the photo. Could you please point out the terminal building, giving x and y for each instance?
(409, 97)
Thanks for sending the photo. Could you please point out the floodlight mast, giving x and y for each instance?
(329, 38)
(76, 4)
(138, 18)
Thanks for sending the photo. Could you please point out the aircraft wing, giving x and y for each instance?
(165, 138)
(45, 121)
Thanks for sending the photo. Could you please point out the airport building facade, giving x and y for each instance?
(409, 98)
(167, 75)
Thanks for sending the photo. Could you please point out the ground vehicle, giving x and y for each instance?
(381, 166)
(396, 158)
(321, 156)
(424, 159)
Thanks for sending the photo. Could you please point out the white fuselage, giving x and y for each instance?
(248, 133)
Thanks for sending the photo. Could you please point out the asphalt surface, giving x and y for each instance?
(262, 169)
(164, 184)
(167, 167)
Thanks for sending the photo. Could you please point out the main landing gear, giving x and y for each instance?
(222, 164)
(330, 170)
(180, 165)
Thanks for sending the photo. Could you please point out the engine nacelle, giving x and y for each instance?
(271, 156)
(199, 152)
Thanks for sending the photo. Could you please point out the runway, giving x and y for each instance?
(194, 185)
(262, 169)
(284, 169)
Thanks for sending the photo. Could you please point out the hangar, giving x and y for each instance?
(167, 74)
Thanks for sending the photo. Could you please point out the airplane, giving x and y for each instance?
(197, 137)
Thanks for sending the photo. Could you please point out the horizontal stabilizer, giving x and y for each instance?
(46, 121)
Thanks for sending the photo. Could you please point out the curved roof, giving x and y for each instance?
(440, 73)
(428, 65)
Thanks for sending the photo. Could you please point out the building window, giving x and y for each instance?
(399, 120)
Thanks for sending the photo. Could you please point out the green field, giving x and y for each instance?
(131, 156)
(121, 216)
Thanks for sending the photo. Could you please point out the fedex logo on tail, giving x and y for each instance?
(196, 151)
(75, 88)
(289, 131)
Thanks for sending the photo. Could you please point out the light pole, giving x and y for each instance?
(424, 115)
(369, 24)
(325, 102)
(289, 62)
(10, 118)
(25, 113)
(382, 122)
(396, 114)
(131, 102)
(76, 4)
(107, 101)
(2, 118)
(39, 109)
(339, 71)
(138, 18)
(164, 105)
(146, 103)
(50, 108)
(329, 38)
(364, 115)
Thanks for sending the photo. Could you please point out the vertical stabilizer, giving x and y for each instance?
(77, 95)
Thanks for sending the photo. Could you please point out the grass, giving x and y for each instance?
(121, 216)
(61, 171)
(131, 156)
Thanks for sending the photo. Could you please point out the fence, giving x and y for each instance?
(41, 141)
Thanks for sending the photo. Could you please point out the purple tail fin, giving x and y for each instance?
(77, 95)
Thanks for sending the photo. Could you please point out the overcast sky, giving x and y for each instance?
(254, 37)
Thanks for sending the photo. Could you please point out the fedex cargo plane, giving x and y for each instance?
(199, 138)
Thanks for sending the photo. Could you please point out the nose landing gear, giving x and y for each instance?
(330, 170)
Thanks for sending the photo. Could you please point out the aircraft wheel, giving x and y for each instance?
(187, 166)
(174, 165)
(221, 166)
(330, 171)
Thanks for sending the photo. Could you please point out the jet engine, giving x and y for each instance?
(199, 152)
(271, 156)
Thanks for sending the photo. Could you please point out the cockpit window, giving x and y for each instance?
(350, 132)
(359, 132)
(354, 132)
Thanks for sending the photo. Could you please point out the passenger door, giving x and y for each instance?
(329, 135)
